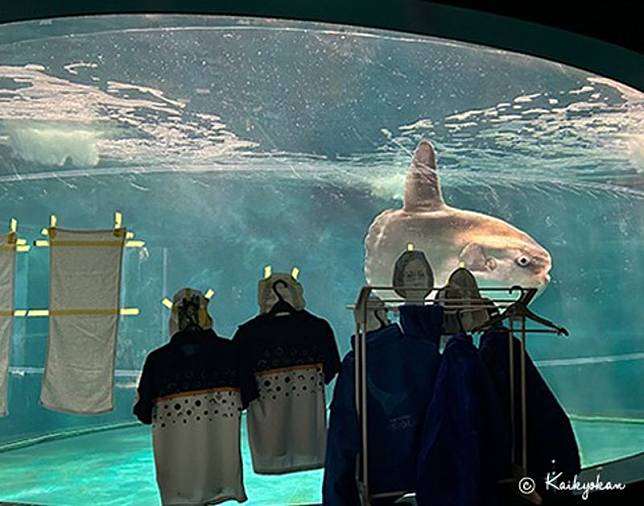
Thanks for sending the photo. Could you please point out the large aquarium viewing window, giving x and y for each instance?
(229, 144)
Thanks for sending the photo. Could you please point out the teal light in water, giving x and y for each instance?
(231, 144)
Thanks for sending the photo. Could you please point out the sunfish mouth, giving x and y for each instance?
(543, 283)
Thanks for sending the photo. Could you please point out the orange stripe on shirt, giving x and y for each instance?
(289, 369)
(196, 392)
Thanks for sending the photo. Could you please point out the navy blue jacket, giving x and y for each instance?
(401, 367)
(549, 433)
(464, 444)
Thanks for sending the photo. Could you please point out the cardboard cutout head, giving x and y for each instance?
(293, 294)
(462, 285)
(376, 314)
(189, 311)
(413, 272)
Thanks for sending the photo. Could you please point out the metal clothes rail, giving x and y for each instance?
(452, 306)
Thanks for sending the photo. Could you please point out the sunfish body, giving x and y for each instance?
(497, 253)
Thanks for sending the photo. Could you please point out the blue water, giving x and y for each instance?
(119, 469)
(231, 144)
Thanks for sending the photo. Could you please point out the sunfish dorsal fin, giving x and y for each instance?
(422, 187)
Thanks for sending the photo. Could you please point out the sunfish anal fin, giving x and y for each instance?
(422, 187)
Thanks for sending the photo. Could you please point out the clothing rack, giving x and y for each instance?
(456, 306)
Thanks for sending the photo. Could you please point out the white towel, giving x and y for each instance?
(7, 283)
(84, 293)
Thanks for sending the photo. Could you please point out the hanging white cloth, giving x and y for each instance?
(7, 284)
(84, 294)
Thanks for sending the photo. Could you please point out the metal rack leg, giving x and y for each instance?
(357, 396)
(363, 400)
(511, 372)
(524, 421)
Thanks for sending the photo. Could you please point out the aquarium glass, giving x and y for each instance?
(229, 144)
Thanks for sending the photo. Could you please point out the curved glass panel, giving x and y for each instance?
(229, 144)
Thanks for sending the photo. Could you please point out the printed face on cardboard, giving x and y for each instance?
(413, 274)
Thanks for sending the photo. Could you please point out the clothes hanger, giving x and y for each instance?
(281, 306)
(459, 319)
(519, 309)
(527, 294)
(383, 323)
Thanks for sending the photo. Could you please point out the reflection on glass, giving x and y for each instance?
(230, 143)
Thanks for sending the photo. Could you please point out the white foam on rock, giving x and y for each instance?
(53, 121)
(51, 145)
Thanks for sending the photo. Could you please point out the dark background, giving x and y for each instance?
(602, 37)
(614, 22)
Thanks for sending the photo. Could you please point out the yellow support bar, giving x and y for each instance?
(167, 303)
(126, 311)
(13, 225)
(23, 248)
(43, 243)
(38, 312)
(295, 273)
(65, 243)
(130, 311)
(208, 295)
(8, 312)
(268, 271)
(118, 224)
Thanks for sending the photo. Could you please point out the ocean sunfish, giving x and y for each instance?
(497, 253)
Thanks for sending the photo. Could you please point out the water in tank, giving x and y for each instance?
(229, 144)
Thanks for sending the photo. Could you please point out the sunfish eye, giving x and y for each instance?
(523, 261)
